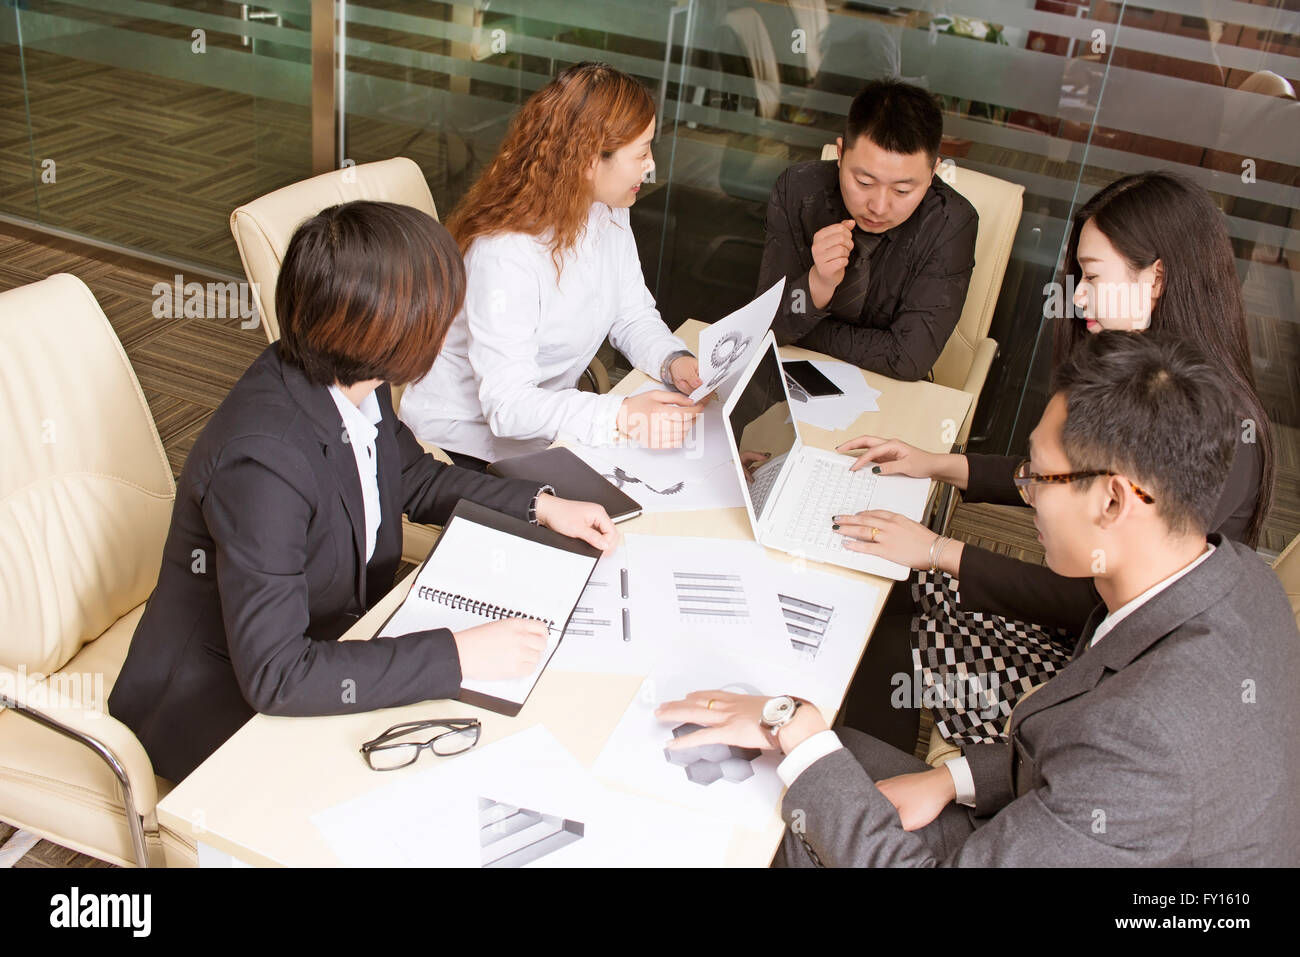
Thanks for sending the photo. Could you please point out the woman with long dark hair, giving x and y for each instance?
(552, 271)
(1149, 251)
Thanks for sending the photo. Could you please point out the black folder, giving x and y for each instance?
(571, 478)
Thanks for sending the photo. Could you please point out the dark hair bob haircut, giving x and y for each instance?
(368, 290)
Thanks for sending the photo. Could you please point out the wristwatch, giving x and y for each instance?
(777, 713)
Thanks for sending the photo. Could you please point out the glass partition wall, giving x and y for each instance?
(143, 124)
(153, 142)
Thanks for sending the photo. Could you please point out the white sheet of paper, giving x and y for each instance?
(486, 565)
(731, 596)
(824, 616)
(727, 345)
(707, 592)
(600, 638)
(521, 801)
(836, 412)
(734, 783)
(697, 476)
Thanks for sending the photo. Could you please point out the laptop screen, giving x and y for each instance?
(761, 422)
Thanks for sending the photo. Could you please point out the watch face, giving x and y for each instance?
(776, 710)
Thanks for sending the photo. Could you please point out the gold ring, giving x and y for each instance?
(874, 533)
(709, 706)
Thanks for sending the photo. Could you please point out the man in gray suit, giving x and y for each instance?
(1169, 738)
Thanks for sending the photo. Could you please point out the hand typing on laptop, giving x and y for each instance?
(896, 457)
(899, 539)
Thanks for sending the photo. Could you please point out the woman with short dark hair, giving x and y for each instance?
(287, 523)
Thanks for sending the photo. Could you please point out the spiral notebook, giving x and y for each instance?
(487, 566)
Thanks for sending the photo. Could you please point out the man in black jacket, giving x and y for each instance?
(876, 250)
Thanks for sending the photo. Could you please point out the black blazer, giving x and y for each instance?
(264, 568)
(1002, 585)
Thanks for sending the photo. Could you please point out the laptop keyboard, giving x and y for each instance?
(830, 489)
(764, 477)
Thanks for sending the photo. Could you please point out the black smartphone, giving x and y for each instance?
(805, 375)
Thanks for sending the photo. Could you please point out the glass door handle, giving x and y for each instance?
(686, 9)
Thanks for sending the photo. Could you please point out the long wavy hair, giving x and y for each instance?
(536, 183)
(1160, 215)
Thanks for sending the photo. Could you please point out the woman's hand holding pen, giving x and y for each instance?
(658, 419)
(510, 648)
(585, 520)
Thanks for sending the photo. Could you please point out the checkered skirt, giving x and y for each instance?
(973, 666)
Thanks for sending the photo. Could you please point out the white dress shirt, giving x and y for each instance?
(505, 381)
(819, 745)
(360, 422)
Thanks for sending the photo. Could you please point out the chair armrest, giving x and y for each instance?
(35, 698)
(980, 364)
(436, 452)
(597, 375)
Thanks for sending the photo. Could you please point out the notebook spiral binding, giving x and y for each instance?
(481, 608)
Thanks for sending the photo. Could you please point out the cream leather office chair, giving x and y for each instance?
(263, 227)
(965, 360)
(1287, 567)
(85, 501)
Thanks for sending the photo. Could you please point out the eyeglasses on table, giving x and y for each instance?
(400, 746)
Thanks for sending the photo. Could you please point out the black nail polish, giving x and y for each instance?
(875, 470)
(834, 527)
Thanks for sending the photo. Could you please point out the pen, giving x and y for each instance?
(623, 579)
(627, 626)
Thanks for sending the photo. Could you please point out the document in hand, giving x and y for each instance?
(727, 345)
(487, 566)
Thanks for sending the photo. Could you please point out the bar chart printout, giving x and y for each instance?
(716, 600)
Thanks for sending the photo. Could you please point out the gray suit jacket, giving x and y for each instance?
(1170, 743)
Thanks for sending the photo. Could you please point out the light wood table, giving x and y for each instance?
(253, 799)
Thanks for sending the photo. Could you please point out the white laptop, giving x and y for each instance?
(792, 496)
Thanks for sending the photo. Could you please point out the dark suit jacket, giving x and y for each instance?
(1002, 585)
(1170, 743)
(264, 568)
(919, 274)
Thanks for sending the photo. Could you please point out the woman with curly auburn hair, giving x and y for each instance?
(552, 271)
